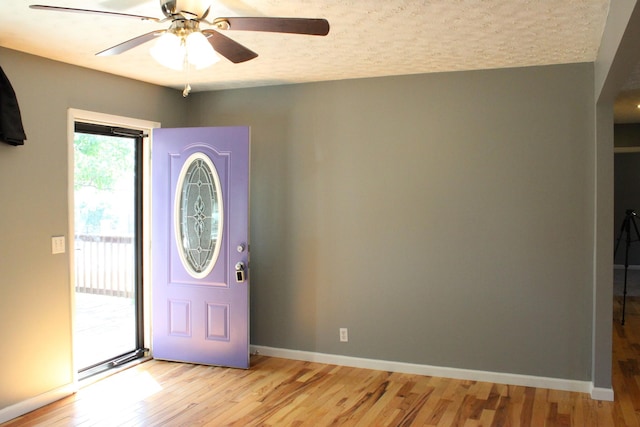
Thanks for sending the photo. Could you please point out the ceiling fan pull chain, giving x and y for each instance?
(185, 67)
(187, 86)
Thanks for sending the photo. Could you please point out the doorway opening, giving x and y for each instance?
(107, 189)
(626, 277)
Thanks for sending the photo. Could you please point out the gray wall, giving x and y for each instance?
(34, 284)
(445, 219)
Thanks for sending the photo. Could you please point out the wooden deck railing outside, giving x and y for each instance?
(105, 265)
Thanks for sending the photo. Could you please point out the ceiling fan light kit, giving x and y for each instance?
(184, 44)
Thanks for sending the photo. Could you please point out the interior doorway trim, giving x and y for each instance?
(624, 150)
(146, 126)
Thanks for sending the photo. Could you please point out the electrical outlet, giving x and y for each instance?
(57, 245)
(344, 335)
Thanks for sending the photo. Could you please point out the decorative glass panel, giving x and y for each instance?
(198, 218)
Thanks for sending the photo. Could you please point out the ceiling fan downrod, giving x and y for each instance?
(189, 9)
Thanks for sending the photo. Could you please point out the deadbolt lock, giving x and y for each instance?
(240, 272)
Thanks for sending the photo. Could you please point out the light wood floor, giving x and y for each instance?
(279, 392)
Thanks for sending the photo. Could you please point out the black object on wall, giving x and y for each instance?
(629, 220)
(11, 130)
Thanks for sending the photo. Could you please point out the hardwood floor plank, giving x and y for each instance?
(486, 419)
(396, 395)
(502, 412)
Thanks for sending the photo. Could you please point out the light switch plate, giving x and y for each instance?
(57, 245)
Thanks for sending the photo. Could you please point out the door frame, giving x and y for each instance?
(76, 115)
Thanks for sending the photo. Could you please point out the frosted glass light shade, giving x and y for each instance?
(169, 51)
(199, 52)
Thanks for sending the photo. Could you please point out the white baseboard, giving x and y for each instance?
(438, 371)
(599, 393)
(26, 406)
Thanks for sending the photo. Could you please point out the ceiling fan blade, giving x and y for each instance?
(94, 12)
(310, 26)
(130, 44)
(230, 49)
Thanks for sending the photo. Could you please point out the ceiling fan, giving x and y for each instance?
(186, 17)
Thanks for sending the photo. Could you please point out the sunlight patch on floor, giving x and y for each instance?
(122, 390)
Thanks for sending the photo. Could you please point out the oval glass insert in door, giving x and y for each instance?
(198, 215)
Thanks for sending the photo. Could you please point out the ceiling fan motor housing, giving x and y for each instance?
(192, 9)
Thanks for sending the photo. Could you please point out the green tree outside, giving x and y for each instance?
(103, 169)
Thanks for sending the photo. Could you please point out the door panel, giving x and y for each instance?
(200, 199)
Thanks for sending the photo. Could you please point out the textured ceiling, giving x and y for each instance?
(368, 38)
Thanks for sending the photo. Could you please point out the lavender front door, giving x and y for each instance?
(200, 245)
